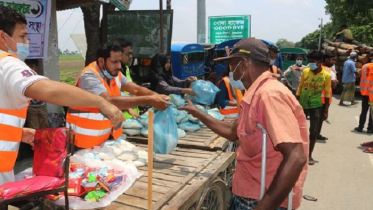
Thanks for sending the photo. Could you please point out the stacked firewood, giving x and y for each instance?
(342, 51)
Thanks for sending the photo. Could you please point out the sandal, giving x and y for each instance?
(311, 161)
(367, 144)
(353, 103)
(368, 150)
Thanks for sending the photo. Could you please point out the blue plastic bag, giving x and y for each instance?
(189, 127)
(165, 132)
(205, 91)
(177, 100)
(215, 114)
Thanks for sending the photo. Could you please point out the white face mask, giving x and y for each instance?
(299, 62)
(272, 62)
(236, 83)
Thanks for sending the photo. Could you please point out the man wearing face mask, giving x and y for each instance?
(313, 81)
(348, 80)
(19, 84)
(269, 103)
(103, 77)
(295, 71)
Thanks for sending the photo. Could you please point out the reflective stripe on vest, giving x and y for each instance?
(91, 127)
(11, 124)
(233, 96)
(366, 79)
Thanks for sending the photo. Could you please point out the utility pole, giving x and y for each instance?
(320, 35)
(161, 26)
(201, 21)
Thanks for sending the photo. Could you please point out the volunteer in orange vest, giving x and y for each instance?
(328, 61)
(103, 77)
(228, 96)
(366, 82)
(19, 84)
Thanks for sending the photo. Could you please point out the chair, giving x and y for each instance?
(52, 150)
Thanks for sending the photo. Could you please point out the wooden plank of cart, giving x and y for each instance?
(194, 176)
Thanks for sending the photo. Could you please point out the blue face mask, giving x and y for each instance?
(236, 83)
(312, 66)
(22, 50)
(107, 74)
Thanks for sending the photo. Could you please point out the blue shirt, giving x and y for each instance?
(349, 70)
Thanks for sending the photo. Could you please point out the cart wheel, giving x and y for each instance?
(214, 197)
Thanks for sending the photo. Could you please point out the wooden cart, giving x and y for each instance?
(194, 176)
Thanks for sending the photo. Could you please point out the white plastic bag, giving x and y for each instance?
(181, 133)
(193, 119)
(132, 132)
(144, 132)
(132, 124)
(181, 115)
(129, 169)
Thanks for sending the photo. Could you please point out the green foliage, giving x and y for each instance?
(284, 43)
(310, 41)
(69, 80)
(71, 58)
(356, 14)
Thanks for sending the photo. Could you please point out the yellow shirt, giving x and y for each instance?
(347, 32)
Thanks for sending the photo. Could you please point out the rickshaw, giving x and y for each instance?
(187, 60)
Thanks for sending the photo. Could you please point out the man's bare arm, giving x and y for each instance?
(286, 176)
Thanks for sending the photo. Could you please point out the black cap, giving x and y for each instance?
(249, 47)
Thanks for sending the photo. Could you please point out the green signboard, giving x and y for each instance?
(142, 28)
(224, 28)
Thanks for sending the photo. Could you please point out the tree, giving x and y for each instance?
(356, 14)
(284, 43)
(91, 15)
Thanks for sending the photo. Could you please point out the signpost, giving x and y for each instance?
(224, 28)
(38, 14)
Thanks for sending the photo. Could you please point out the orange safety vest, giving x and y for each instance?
(11, 126)
(323, 92)
(232, 97)
(273, 69)
(91, 127)
(366, 79)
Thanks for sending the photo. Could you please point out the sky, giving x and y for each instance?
(270, 19)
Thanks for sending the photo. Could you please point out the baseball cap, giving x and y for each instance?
(353, 54)
(249, 47)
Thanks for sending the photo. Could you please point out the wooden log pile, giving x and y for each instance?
(342, 51)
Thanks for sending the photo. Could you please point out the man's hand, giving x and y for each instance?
(191, 79)
(160, 102)
(133, 113)
(112, 112)
(326, 114)
(189, 107)
(28, 136)
(188, 91)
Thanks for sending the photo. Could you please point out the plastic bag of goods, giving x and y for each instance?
(215, 114)
(177, 100)
(189, 127)
(132, 132)
(132, 124)
(180, 116)
(201, 108)
(165, 132)
(193, 119)
(205, 91)
(144, 132)
(181, 133)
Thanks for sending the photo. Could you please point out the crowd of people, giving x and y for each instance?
(253, 89)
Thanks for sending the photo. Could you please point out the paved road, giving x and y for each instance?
(343, 177)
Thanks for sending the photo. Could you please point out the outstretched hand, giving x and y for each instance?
(189, 107)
